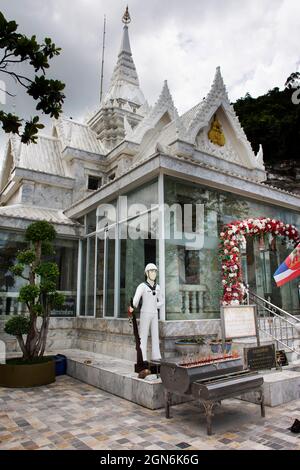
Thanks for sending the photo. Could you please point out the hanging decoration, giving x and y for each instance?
(232, 241)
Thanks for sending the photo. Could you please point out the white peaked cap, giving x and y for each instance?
(150, 266)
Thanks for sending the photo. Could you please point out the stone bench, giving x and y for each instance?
(115, 376)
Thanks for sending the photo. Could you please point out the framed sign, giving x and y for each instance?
(239, 321)
(261, 357)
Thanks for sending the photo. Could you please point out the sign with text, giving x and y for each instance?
(261, 357)
(68, 309)
(238, 321)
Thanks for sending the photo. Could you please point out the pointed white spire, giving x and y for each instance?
(218, 87)
(260, 157)
(163, 106)
(125, 43)
(124, 83)
(165, 101)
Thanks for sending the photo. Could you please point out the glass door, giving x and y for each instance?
(259, 265)
(109, 273)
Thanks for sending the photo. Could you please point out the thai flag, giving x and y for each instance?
(289, 269)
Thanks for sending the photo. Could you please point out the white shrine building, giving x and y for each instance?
(154, 156)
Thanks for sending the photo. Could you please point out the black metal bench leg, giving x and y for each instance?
(208, 406)
(262, 403)
(168, 403)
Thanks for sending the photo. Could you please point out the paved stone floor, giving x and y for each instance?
(72, 415)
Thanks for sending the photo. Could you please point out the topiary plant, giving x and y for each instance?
(39, 294)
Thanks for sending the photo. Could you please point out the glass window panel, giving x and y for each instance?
(135, 253)
(193, 279)
(83, 276)
(109, 274)
(90, 277)
(106, 215)
(91, 222)
(146, 195)
(99, 278)
(66, 257)
(10, 244)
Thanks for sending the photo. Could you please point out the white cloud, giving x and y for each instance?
(256, 43)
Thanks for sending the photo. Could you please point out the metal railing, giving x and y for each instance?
(276, 323)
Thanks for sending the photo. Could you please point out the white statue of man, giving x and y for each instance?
(151, 297)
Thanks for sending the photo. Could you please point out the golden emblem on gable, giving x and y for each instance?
(216, 134)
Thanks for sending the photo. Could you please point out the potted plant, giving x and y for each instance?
(216, 346)
(189, 345)
(40, 296)
(227, 345)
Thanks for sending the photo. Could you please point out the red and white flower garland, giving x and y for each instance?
(232, 238)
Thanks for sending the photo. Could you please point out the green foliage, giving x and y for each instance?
(26, 256)
(48, 270)
(17, 325)
(10, 122)
(47, 248)
(17, 269)
(18, 48)
(49, 273)
(193, 339)
(273, 121)
(37, 309)
(28, 293)
(40, 231)
(50, 93)
(48, 285)
(56, 299)
(40, 293)
(30, 130)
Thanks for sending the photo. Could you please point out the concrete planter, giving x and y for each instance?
(27, 375)
(187, 348)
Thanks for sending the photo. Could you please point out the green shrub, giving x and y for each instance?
(17, 325)
(39, 294)
(40, 231)
(28, 293)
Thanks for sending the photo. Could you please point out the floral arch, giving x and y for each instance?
(232, 238)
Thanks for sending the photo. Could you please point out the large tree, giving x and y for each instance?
(17, 49)
(39, 293)
(273, 120)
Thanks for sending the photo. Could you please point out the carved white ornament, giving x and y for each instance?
(226, 152)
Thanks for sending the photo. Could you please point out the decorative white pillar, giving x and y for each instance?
(117, 263)
(79, 274)
(161, 242)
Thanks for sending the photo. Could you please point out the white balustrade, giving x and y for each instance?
(192, 298)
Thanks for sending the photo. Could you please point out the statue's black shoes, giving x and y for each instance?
(295, 427)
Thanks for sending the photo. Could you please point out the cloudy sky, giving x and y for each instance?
(256, 43)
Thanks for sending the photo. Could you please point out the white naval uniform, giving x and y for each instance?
(149, 317)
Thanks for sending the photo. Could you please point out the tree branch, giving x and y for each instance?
(7, 92)
(18, 77)
(12, 61)
(5, 57)
(22, 346)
